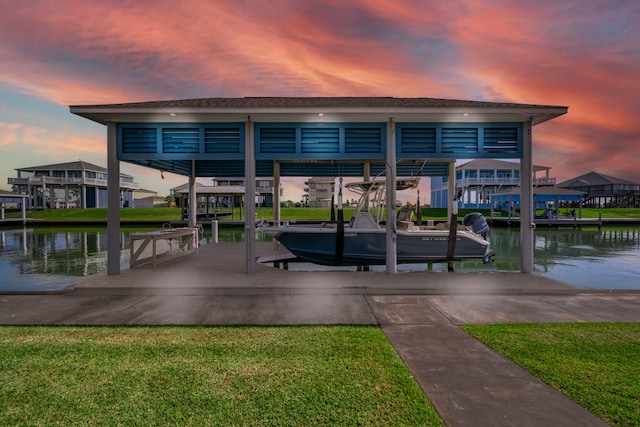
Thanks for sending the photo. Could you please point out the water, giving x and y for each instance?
(42, 259)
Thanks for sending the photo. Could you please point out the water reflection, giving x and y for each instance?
(50, 258)
(586, 258)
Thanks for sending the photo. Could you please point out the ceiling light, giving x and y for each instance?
(172, 114)
(321, 114)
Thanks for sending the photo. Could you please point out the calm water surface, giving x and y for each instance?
(51, 258)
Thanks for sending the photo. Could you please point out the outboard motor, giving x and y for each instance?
(477, 222)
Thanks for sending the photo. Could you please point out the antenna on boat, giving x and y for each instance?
(418, 210)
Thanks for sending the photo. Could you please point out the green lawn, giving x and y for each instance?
(595, 364)
(318, 375)
(197, 376)
(174, 214)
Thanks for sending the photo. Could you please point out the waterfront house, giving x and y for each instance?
(318, 192)
(69, 185)
(601, 190)
(478, 179)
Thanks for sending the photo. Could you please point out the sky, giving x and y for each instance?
(583, 54)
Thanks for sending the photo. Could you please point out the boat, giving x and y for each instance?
(362, 240)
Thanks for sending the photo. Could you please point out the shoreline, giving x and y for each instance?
(497, 222)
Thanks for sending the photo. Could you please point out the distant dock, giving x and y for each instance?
(564, 222)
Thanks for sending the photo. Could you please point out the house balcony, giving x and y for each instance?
(63, 181)
(499, 182)
(265, 190)
(544, 181)
(487, 182)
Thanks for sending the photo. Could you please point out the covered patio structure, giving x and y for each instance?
(17, 199)
(318, 136)
(204, 194)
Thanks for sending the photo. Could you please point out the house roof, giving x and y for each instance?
(592, 179)
(210, 189)
(77, 165)
(10, 194)
(545, 190)
(495, 164)
(334, 108)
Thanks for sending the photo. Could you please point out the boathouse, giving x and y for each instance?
(315, 136)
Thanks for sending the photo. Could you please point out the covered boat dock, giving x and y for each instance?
(317, 136)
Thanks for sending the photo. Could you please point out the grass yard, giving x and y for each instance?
(315, 214)
(199, 376)
(595, 364)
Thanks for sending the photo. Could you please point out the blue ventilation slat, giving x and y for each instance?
(459, 140)
(220, 168)
(222, 140)
(500, 140)
(320, 140)
(418, 140)
(363, 140)
(181, 140)
(264, 168)
(139, 140)
(277, 140)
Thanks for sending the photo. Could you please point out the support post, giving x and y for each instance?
(249, 198)
(276, 192)
(390, 199)
(451, 187)
(214, 230)
(527, 224)
(193, 197)
(453, 217)
(366, 177)
(113, 202)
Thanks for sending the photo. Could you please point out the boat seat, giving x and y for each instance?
(404, 214)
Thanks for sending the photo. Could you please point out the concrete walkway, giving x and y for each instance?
(468, 383)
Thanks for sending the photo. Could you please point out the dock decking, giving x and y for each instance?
(551, 222)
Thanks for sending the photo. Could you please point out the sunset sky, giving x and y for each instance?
(584, 54)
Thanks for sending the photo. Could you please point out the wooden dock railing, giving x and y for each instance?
(158, 247)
